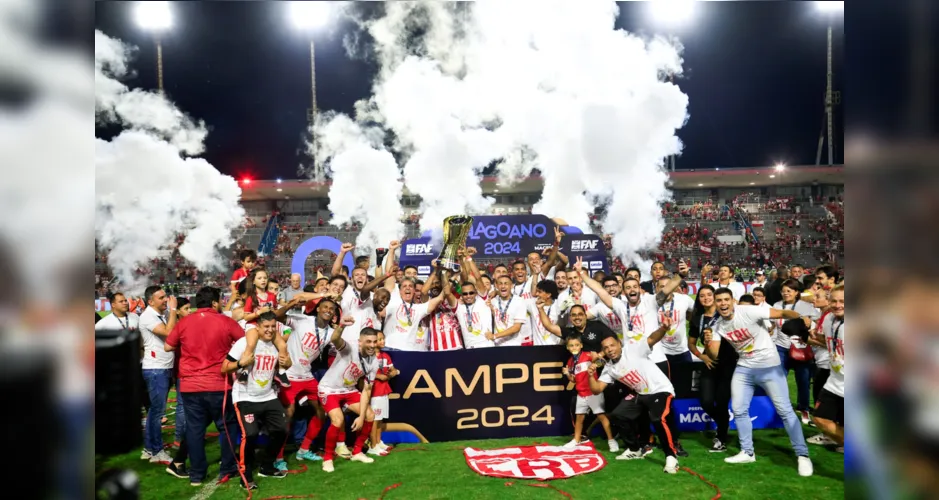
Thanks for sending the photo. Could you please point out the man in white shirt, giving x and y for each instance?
(510, 315)
(725, 279)
(678, 307)
(546, 294)
(403, 317)
(829, 414)
(256, 401)
(338, 390)
(475, 318)
(156, 323)
(758, 365)
(653, 394)
(120, 318)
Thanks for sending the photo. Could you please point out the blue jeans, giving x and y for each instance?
(803, 377)
(180, 416)
(158, 387)
(202, 409)
(773, 381)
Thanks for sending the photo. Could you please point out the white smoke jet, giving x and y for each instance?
(366, 186)
(551, 86)
(147, 193)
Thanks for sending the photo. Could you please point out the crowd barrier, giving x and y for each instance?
(514, 392)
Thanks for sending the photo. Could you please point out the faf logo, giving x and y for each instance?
(584, 245)
(418, 249)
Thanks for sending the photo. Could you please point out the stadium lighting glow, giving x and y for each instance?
(309, 15)
(279, 190)
(279, 181)
(830, 6)
(780, 167)
(672, 12)
(772, 176)
(154, 16)
(246, 181)
(700, 185)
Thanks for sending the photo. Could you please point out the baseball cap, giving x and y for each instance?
(759, 273)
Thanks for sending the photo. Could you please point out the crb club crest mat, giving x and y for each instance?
(535, 462)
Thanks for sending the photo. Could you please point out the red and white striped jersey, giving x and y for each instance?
(445, 333)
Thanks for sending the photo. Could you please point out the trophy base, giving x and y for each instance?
(449, 265)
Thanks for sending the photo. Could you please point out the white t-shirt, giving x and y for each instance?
(801, 307)
(644, 319)
(305, 344)
(154, 356)
(747, 333)
(586, 298)
(540, 334)
(675, 341)
(475, 323)
(522, 290)
(111, 322)
(506, 314)
(260, 384)
(736, 288)
(822, 359)
(834, 337)
(637, 371)
(350, 300)
(609, 318)
(346, 370)
(364, 316)
(403, 325)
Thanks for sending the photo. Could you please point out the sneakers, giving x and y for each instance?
(378, 452)
(161, 458)
(570, 444)
(805, 417)
(281, 378)
(741, 458)
(382, 445)
(821, 439)
(362, 457)
(271, 472)
(308, 455)
(250, 486)
(630, 455)
(805, 467)
(614, 446)
(177, 470)
(719, 446)
(280, 464)
(343, 451)
(671, 465)
(328, 466)
(647, 450)
(680, 450)
(146, 455)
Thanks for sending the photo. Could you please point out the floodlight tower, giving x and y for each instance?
(156, 18)
(308, 17)
(831, 9)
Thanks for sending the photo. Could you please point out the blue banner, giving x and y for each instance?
(507, 238)
(506, 392)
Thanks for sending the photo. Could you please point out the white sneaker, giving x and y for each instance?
(614, 446)
(362, 457)
(383, 446)
(161, 458)
(328, 466)
(805, 467)
(629, 455)
(821, 439)
(671, 465)
(343, 451)
(741, 458)
(570, 444)
(805, 417)
(146, 455)
(378, 452)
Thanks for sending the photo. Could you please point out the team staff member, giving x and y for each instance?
(255, 401)
(156, 322)
(758, 365)
(591, 333)
(203, 340)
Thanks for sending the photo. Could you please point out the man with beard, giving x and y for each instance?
(604, 313)
(337, 390)
(725, 279)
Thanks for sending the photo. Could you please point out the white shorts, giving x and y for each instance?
(593, 403)
(380, 407)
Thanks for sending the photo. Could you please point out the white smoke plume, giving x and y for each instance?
(147, 193)
(550, 86)
(366, 185)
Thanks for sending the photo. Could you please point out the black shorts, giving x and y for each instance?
(830, 407)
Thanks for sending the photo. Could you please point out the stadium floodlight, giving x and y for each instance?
(672, 12)
(154, 16)
(309, 15)
(780, 167)
(830, 6)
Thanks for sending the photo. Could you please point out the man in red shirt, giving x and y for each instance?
(204, 339)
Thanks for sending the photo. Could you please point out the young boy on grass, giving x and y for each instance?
(379, 401)
(587, 401)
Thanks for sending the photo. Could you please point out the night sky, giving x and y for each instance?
(755, 76)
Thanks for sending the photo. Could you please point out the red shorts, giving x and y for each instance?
(331, 402)
(298, 389)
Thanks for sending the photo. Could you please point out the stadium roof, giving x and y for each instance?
(257, 190)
